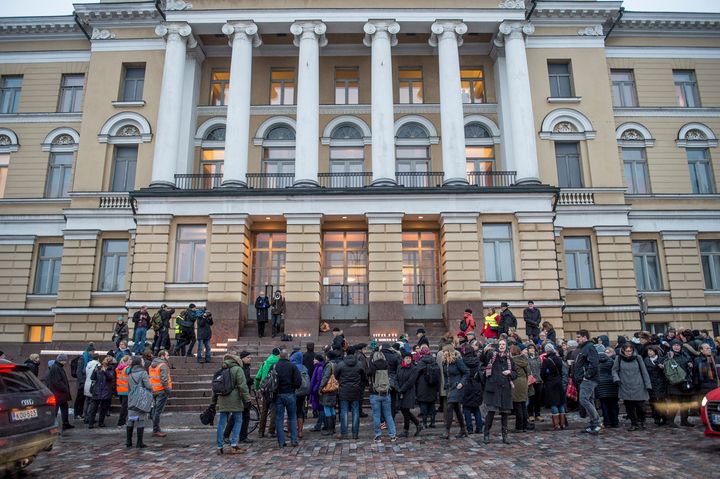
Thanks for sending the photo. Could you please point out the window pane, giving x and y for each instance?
(194, 232)
(577, 243)
(559, 68)
(479, 152)
(584, 271)
(283, 75)
(414, 74)
(497, 231)
(346, 153)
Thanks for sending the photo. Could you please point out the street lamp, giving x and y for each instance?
(643, 302)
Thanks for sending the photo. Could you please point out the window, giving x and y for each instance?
(4, 164)
(710, 258)
(190, 254)
(658, 328)
(412, 155)
(59, 175)
(421, 271)
(480, 158)
(411, 85)
(10, 93)
(567, 157)
(268, 264)
(716, 328)
(647, 266)
(219, 87)
(47, 273)
(39, 334)
(345, 267)
(282, 87)
(701, 174)
(71, 93)
(347, 156)
(212, 157)
(124, 169)
(578, 263)
(498, 252)
(112, 265)
(279, 157)
(133, 83)
(623, 88)
(635, 170)
(472, 85)
(686, 92)
(347, 86)
(560, 80)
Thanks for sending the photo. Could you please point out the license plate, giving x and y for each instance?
(715, 418)
(23, 415)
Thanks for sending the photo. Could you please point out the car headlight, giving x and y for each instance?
(704, 401)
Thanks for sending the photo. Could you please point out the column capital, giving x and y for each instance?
(178, 31)
(389, 27)
(314, 29)
(513, 30)
(244, 30)
(451, 28)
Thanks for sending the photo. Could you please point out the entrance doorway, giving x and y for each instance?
(421, 275)
(345, 276)
(268, 267)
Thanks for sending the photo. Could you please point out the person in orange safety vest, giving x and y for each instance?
(161, 383)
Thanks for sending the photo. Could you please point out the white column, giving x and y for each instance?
(167, 140)
(522, 122)
(501, 91)
(243, 37)
(188, 117)
(380, 37)
(309, 37)
(447, 37)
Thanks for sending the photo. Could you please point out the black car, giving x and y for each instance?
(27, 417)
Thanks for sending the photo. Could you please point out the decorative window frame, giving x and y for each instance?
(492, 128)
(207, 127)
(11, 147)
(268, 125)
(710, 140)
(326, 138)
(647, 141)
(433, 138)
(109, 133)
(51, 143)
(579, 122)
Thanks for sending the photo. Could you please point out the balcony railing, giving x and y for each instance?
(423, 179)
(115, 201)
(576, 197)
(491, 179)
(345, 180)
(270, 181)
(198, 181)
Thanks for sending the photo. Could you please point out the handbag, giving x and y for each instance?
(531, 380)
(332, 385)
(571, 392)
(139, 398)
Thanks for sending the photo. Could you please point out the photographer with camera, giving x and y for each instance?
(278, 309)
(204, 333)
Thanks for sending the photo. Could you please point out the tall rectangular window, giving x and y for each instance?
(411, 85)
(710, 259)
(282, 86)
(190, 254)
(59, 175)
(124, 169)
(10, 86)
(113, 264)
(567, 158)
(133, 83)
(268, 264)
(347, 86)
(71, 93)
(219, 87)
(647, 265)
(498, 252)
(623, 88)
(560, 79)
(4, 165)
(701, 174)
(686, 91)
(635, 170)
(421, 271)
(472, 85)
(47, 273)
(39, 334)
(578, 262)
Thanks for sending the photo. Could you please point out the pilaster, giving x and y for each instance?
(385, 271)
(460, 264)
(303, 273)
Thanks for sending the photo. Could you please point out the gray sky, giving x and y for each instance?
(18, 8)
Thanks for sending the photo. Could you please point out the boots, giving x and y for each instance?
(432, 420)
(556, 421)
(329, 426)
(300, 425)
(140, 444)
(563, 421)
(129, 434)
(418, 428)
(488, 424)
(504, 430)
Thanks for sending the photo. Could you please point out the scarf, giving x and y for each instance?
(708, 368)
(506, 356)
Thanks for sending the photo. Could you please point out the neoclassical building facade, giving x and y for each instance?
(382, 166)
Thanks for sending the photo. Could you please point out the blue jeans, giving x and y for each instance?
(235, 435)
(329, 411)
(381, 406)
(469, 413)
(206, 343)
(276, 322)
(355, 407)
(586, 393)
(283, 402)
(557, 409)
(140, 337)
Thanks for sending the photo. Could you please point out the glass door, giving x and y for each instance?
(345, 275)
(421, 275)
(268, 267)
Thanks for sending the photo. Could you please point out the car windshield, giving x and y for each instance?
(14, 380)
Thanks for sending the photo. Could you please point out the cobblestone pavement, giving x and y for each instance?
(190, 452)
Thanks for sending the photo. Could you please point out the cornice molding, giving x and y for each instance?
(364, 109)
(669, 23)
(39, 26)
(58, 56)
(107, 15)
(667, 112)
(40, 118)
(705, 53)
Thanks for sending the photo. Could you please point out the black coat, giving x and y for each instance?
(407, 379)
(455, 373)
(686, 362)
(337, 342)
(423, 340)
(473, 388)
(507, 321)
(532, 319)
(32, 366)
(427, 389)
(606, 387)
(104, 383)
(350, 373)
(393, 360)
(498, 387)
(262, 305)
(586, 363)
(289, 378)
(57, 382)
(204, 330)
(657, 378)
(551, 373)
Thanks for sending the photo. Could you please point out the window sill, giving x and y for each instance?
(186, 285)
(126, 104)
(501, 284)
(100, 294)
(41, 296)
(712, 292)
(584, 291)
(661, 292)
(569, 99)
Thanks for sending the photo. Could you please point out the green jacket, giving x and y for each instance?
(236, 400)
(262, 372)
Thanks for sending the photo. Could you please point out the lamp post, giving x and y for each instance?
(642, 301)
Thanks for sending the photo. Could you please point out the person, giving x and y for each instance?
(469, 323)
(246, 359)
(553, 388)
(532, 318)
(138, 380)
(630, 374)
(328, 399)
(121, 332)
(455, 374)
(141, 322)
(508, 322)
(428, 387)
(102, 392)
(192, 315)
(706, 370)
(277, 311)
(407, 376)
(351, 375)
(122, 351)
(520, 388)
(338, 341)
(607, 390)
(497, 396)
(89, 369)
(204, 334)
(393, 359)
(550, 333)
(232, 404)
(289, 380)
(315, 380)
(656, 371)
(472, 391)
(492, 323)
(535, 404)
(162, 387)
(266, 408)
(262, 305)
(421, 338)
(162, 335)
(33, 363)
(379, 378)
(58, 384)
(121, 387)
(680, 395)
(83, 360)
(585, 375)
(308, 358)
(301, 393)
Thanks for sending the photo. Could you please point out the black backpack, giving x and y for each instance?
(463, 325)
(222, 382)
(269, 386)
(73, 367)
(432, 374)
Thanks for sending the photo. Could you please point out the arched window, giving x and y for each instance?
(633, 139)
(412, 153)
(62, 143)
(347, 156)
(213, 156)
(697, 139)
(8, 145)
(279, 156)
(479, 154)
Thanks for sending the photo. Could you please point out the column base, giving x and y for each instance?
(528, 181)
(302, 317)
(161, 184)
(233, 184)
(456, 182)
(383, 182)
(229, 318)
(305, 184)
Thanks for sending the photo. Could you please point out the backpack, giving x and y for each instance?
(269, 386)
(381, 381)
(155, 321)
(432, 374)
(463, 325)
(304, 388)
(73, 367)
(222, 382)
(674, 373)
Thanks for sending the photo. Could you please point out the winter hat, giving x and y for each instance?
(405, 354)
(61, 357)
(636, 340)
(332, 355)
(600, 348)
(319, 357)
(572, 344)
(122, 318)
(604, 339)
(420, 331)
(675, 341)
(276, 352)
(549, 348)
(621, 340)
(504, 305)
(296, 348)
(373, 345)
(245, 354)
